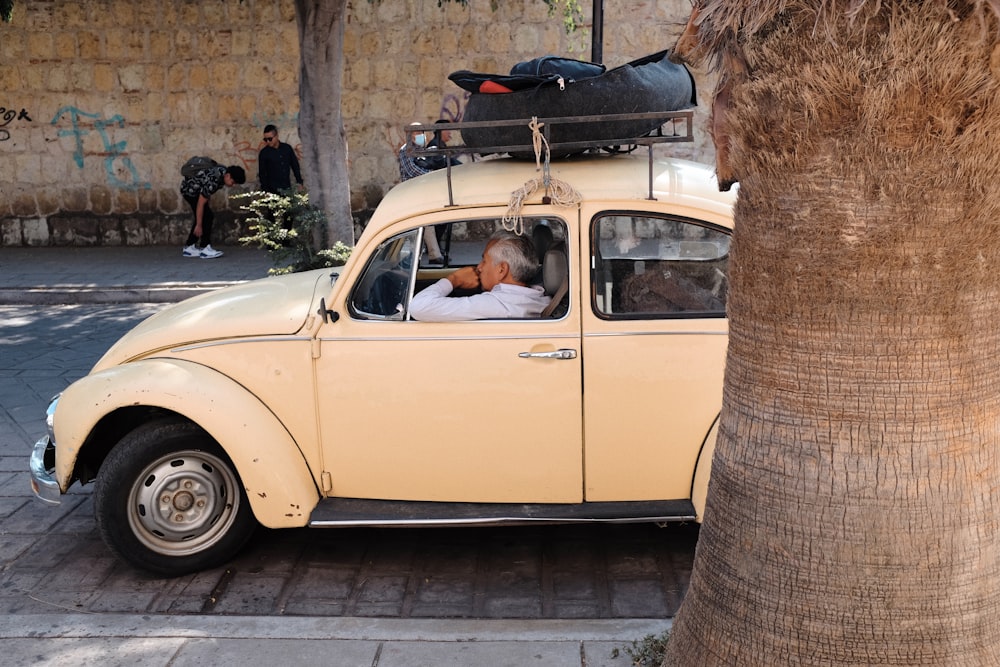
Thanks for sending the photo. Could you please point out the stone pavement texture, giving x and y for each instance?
(175, 641)
(108, 275)
(115, 274)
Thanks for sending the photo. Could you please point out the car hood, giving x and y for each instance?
(271, 306)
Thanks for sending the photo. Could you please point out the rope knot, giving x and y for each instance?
(560, 193)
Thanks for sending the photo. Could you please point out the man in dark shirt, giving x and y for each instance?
(274, 162)
(197, 190)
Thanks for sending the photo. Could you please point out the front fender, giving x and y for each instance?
(278, 482)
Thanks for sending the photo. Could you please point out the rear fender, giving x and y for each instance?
(277, 480)
(703, 470)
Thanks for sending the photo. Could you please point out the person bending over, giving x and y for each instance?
(197, 190)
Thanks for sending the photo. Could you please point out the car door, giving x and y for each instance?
(477, 411)
(654, 347)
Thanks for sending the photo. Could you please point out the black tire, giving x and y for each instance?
(168, 500)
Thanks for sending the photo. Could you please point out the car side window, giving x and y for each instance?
(384, 287)
(650, 267)
(462, 243)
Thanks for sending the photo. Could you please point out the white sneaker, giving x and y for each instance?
(191, 251)
(208, 252)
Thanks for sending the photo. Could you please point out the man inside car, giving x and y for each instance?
(504, 274)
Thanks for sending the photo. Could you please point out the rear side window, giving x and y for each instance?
(656, 267)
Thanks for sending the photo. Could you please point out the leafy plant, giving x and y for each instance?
(648, 651)
(292, 231)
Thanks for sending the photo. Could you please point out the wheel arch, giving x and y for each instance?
(703, 470)
(94, 412)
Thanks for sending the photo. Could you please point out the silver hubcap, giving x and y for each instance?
(183, 503)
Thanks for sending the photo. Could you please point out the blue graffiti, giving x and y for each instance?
(113, 151)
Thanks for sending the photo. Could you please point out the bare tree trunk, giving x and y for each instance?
(321, 123)
(853, 513)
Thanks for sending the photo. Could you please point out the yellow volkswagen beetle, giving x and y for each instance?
(317, 399)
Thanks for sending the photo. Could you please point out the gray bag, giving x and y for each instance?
(196, 164)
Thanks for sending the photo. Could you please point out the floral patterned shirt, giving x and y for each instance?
(206, 182)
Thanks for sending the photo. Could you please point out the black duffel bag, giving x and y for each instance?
(649, 84)
(529, 74)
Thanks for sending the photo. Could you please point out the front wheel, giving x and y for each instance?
(168, 500)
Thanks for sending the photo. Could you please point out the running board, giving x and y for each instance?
(345, 512)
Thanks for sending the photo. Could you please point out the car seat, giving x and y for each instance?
(555, 281)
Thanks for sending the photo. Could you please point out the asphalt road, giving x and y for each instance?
(51, 559)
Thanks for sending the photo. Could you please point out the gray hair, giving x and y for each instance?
(519, 254)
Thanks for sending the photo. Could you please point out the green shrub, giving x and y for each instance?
(292, 231)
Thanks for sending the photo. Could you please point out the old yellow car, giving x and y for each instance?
(317, 399)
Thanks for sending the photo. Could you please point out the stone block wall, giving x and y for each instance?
(101, 102)
(398, 56)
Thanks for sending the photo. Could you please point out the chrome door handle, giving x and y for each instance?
(557, 354)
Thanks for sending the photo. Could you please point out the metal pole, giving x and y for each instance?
(597, 33)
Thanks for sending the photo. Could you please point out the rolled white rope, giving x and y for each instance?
(559, 192)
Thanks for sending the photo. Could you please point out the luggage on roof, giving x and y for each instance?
(649, 84)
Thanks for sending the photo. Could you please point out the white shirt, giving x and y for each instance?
(504, 301)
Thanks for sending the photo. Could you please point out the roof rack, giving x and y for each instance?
(674, 127)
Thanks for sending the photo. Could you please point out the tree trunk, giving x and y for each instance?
(321, 122)
(852, 513)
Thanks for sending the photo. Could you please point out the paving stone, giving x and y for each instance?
(107, 652)
(245, 652)
(639, 599)
(494, 654)
(323, 583)
(441, 610)
(445, 591)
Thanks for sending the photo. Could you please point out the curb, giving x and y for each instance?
(91, 626)
(78, 294)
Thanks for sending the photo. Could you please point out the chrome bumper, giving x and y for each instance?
(42, 482)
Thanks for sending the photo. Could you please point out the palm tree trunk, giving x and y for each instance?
(852, 513)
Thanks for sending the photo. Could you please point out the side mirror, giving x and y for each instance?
(325, 313)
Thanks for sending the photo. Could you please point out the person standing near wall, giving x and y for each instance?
(274, 162)
(411, 167)
(440, 140)
(197, 190)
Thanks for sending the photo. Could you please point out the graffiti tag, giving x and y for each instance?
(113, 153)
(8, 116)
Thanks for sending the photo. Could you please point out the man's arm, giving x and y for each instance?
(199, 214)
(431, 304)
(294, 161)
(262, 175)
(434, 305)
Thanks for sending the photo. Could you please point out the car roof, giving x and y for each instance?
(491, 182)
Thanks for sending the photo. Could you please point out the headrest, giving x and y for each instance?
(541, 236)
(555, 270)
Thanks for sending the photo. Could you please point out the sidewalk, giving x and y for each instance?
(179, 641)
(134, 274)
(119, 274)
